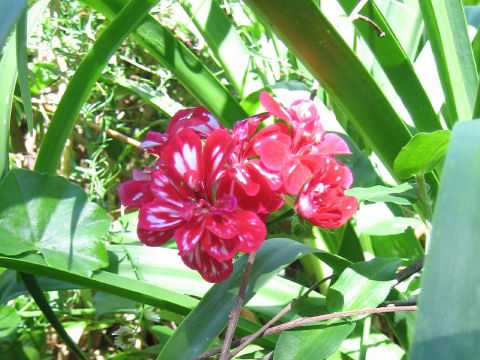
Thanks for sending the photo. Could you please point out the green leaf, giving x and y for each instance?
(22, 65)
(45, 213)
(422, 154)
(8, 76)
(404, 194)
(84, 79)
(11, 11)
(9, 321)
(476, 52)
(404, 245)
(396, 225)
(211, 314)
(306, 31)
(446, 28)
(363, 285)
(312, 342)
(448, 321)
(184, 65)
(225, 43)
(396, 65)
(104, 280)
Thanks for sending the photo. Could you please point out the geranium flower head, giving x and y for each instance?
(208, 229)
(322, 200)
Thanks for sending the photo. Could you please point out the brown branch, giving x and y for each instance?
(113, 133)
(258, 333)
(308, 320)
(380, 32)
(233, 317)
(408, 271)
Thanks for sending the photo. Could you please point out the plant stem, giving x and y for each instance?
(34, 289)
(408, 271)
(233, 318)
(308, 320)
(277, 317)
(422, 190)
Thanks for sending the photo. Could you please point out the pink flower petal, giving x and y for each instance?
(224, 226)
(154, 238)
(135, 193)
(273, 154)
(244, 129)
(183, 158)
(189, 234)
(198, 119)
(154, 142)
(160, 216)
(218, 148)
(163, 189)
(294, 175)
(218, 248)
(331, 144)
(211, 269)
(273, 107)
(252, 231)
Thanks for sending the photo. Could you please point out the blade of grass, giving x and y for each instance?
(83, 81)
(184, 65)
(105, 281)
(476, 52)
(22, 66)
(396, 65)
(8, 79)
(448, 321)
(34, 289)
(225, 43)
(311, 37)
(11, 11)
(446, 29)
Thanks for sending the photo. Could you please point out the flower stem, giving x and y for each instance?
(422, 190)
(233, 318)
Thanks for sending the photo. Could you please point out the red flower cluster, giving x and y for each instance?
(212, 188)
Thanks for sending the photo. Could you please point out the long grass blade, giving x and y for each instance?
(446, 28)
(313, 39)
(83, 81)
(224, 41)
(396, 65)
(11, 11)
(22, 66)
(186, 67)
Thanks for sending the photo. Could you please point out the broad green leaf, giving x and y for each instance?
(84, 79)
(404, 245)
(315, 41)
(446, 29)
(225, 42)
(396, 225)
(22, 65)
(11, 11)
(404, 194)
(312, 342)
(211, 314)
(448, 321)
(9, 321)
(476, 52)
(363, 285)
(45, 213)
(187, 68)
(422, 154)
(396, 65)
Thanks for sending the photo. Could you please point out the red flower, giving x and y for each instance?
(322, 200)
(255, 186)
(136, 192)
(208, 229)
(198, 119)
(295, 152)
